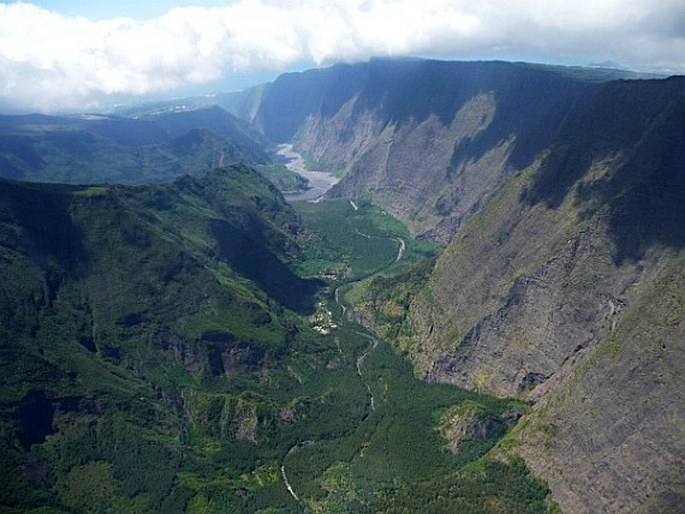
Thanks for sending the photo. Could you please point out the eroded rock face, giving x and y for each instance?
(415, 169)
(566, 289)
(428, 140)
(215, 354)
(228, 356)
(567, 303)
(607, 434)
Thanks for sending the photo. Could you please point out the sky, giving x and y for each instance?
(60, 55)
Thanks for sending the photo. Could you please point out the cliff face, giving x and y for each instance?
(567, 289)
(607, 433)
(408, 168)
(428, 140)
(557, 253)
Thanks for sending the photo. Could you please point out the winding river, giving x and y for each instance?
(319, 181)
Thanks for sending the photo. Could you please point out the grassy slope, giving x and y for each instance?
(142, 369)
(130, 338)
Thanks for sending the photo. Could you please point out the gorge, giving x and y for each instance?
(476, 306)
(559, 192)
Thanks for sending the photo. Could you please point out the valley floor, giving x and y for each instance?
(319, 181)
(394, 456)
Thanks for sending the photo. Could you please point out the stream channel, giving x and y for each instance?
(319, 181)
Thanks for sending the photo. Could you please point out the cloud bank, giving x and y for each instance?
(50, 61)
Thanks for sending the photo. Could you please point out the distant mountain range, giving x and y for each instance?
(89, 149)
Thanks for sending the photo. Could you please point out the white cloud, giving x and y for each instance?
(51, 61)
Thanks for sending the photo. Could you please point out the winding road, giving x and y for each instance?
(287, 483)
(373, 344)
(285, 478)
(401, 250)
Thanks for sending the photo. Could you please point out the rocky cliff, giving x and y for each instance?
(566, 288)
(428, 140)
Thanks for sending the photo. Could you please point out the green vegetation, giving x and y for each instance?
(283, 178)
(148, 149)
(78, 154)
(158, 356)
(136, 333)
(397, 446)
(384, 296)
(351, 244)
(486, 486)
(385, 299)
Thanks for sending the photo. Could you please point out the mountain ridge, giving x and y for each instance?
(94, 148)
(388, 122)
(124, 311)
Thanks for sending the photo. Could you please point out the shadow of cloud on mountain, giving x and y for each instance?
(250, 257)
(43, 211)
(648, 192)
(643, 123)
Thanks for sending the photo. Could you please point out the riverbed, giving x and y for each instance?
(319, 181)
